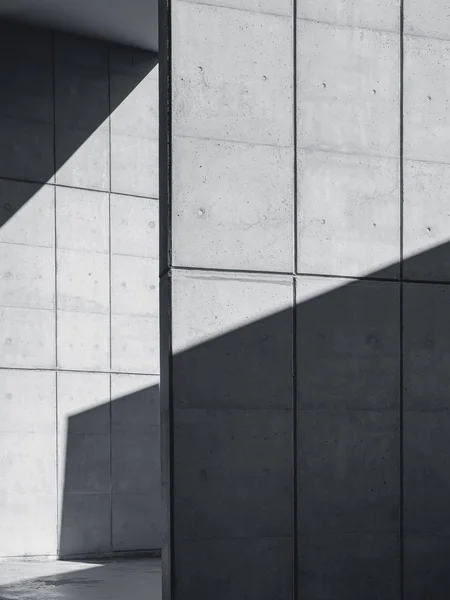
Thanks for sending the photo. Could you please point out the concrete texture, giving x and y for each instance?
(348, 216)
(78, 297)
(348, 86)
(427, 123)
(64, 580)
(244, 221)
(304, 407)
(255, 103)
(383, 15)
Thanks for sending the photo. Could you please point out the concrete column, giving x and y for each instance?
(281, 299)
(229, 242)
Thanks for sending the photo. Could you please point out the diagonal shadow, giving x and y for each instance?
(260, 483)
(58, 92)
(110, 475)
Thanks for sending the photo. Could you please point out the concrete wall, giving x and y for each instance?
(79, 349)
(305, 332)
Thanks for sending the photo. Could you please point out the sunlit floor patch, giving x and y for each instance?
(109, 580)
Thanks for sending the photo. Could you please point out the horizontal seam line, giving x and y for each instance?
(349, 26)
(312, 149)
(232, 141)
(72, 187)
(244, 10)
(62, 370)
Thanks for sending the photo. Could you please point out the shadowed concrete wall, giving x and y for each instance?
(304, 270)
(78, 295)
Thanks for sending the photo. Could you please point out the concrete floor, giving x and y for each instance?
(61, 580)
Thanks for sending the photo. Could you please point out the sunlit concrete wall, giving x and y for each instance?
(79, 348)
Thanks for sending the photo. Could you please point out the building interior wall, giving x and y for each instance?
(79, 341)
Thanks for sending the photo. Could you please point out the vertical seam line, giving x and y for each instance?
(110, 307)
(294, 439)
(401, 314)
(55, 301)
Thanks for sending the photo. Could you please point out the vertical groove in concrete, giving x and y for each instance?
(110, 305)
(110, 466)
(294, 96)
(109, 207)
(294, 432)
(58, 525)
(401, 338)
(294, 309)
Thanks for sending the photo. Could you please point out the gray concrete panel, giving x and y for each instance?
(348, 214)
(134, 286)
(351, 565)
(426, 478)
(17, 412)
(81, 92)
(134, 165)
(81, 113)
(250, 367)
(134, 226)
(233, 474)
(26, 150)
(347, 472)
(85, 523)
(135, 344)
(82, 219)
(138, 407)
(426, 101)
(21, 533)
(426, 347)
(134, 127)
(233, 205)
(83, 341)
(27, 276)
(26, 105)
(426, 220)
(24, 203)
(136, 521)
(348, 85)
(27, 462)
(240, 91)
(426, 566)
(83, 158)
(83, 433)
(254, 569)
(27, 337)
(430, 20)
(351, 334)
(135, 453)
(136, 500)
(383, 15)
(83, 281)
